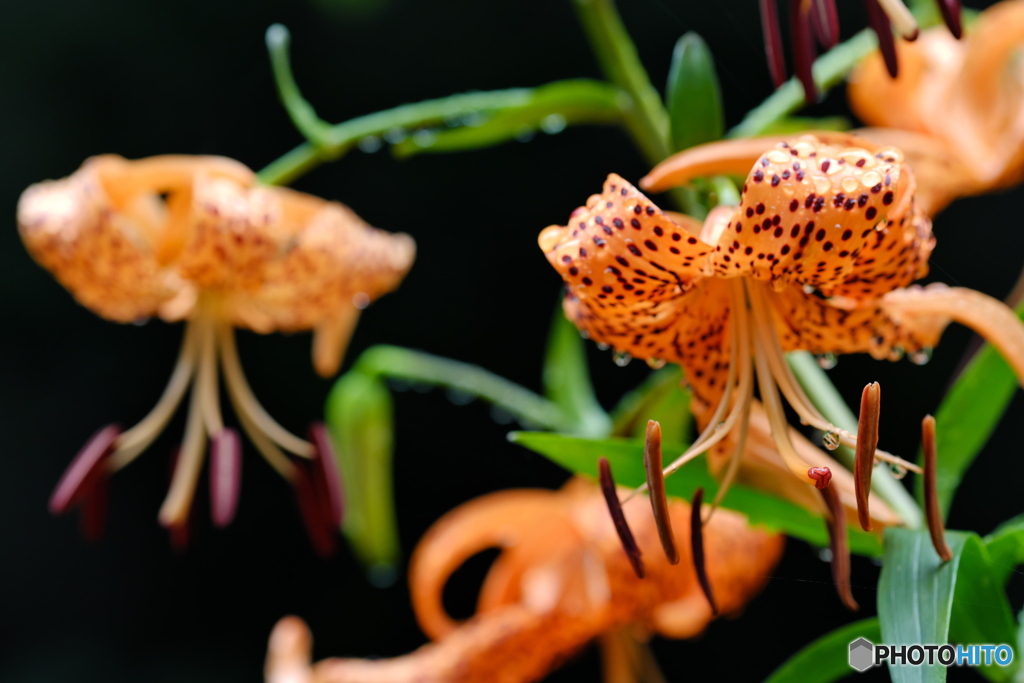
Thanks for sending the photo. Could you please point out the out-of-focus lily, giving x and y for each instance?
(815, 23)
(956, 109)
(819, 256)
(196, 239)
(561, 581)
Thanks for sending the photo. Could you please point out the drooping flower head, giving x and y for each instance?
(560, 582)
(957, 107)
(819, 256)
(198, 239)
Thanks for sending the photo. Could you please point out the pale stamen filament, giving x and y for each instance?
(274, 456)
(902, 20)
(716, 429)
(775, 412)
(792, 390)
(734, 460)
(137, 439)
(206, 381)
(246, 405)
(176, 505)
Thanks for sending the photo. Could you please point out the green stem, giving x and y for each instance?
(647, 121)
(829, 70)
(824, 395)
(396, 362)
(340, 138)
(300, 111)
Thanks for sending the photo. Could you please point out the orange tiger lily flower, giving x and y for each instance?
(819, 256)
(197, 239)
(561, 581)
(956, 109)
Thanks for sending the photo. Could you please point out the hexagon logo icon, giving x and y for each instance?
(862, 654)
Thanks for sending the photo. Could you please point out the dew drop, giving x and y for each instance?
(849, 184)
(655, 363)
(459, 397)
(501, 416)
(920, 357)
(895, 354)
(621, 358)
(525, 134)
(370, 144)
(603, 347)
(826, 361)
(424, 138)
(898, 471)
(395, 135)
(830, 440)
(553, 124)
(825, 554)
(584, 334)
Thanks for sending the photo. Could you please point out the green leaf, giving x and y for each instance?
(567, 379)
(547, 108)
(626, 458)
(797, 124)
(1006, 546)
(661, 397)
(967, 417)
(923, 600)
(826, 659)
(361, 423)
(694, 97)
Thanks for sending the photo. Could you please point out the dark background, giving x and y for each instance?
(141, 78)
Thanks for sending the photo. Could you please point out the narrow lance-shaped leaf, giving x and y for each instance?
(924, 600)
(1006, 546)
(694, 97)
(967, 417)
(661, 398)
(625, 456)
(567, 378)
(826, 659)
(360, 422)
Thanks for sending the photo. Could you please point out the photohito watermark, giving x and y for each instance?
(864, 654)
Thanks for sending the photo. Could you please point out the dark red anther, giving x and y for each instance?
(92, 519)
(611, 498)
(803, 47)
(932, 512)
(656, 490)
(840, 545)
(951, 16)
(821, 476)
(225, 476)
(773, 41)
(321, 531)
(325, 473)
(85, 470)
(697, 548)
(867, 442)
(879, 21)
(826, 22)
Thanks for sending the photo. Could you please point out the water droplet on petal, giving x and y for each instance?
(920, 357)
(826, 361)
(655, 363)
(895, 354)
(825, 554)
(621, 358)
(459, 397)
(584, 334)
(603, 347)
(898, 471)
(831, 439)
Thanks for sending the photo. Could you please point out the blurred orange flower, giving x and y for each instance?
(197, 239)
(956, 109)
(561, 581)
